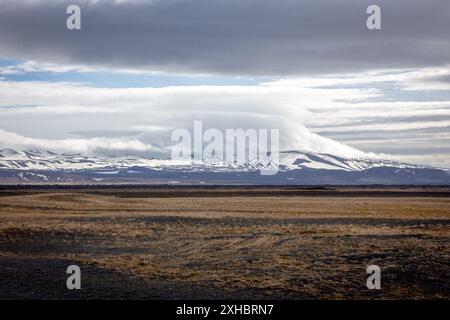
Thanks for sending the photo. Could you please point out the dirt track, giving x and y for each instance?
(165, 245)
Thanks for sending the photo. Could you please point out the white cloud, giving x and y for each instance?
(424, 79)
(64, 108)
(356, 105)
(37, 66)
(10, 139)
(34, 66)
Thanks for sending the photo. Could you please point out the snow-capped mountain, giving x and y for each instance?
(295, 167)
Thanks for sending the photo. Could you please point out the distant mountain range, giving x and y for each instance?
(296, 168)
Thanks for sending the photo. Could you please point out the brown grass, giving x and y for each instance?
(221, 246)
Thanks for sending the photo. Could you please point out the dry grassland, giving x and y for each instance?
(227, 244)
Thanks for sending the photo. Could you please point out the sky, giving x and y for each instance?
(137, 70)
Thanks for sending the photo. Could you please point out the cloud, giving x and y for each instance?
(150, 114)
(86, 146)
(340, 88)
(46, 67)
(423, 79)
(34, 66)
(274, 37)
(347, 114)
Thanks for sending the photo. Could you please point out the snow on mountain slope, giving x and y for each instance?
(289, 160)
(47, 160)
(298, 160)
(36, 166)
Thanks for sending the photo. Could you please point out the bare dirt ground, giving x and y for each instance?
(262, 243)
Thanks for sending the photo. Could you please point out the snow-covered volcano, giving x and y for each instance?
(33, 166)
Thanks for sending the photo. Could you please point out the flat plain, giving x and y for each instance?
(224, 242)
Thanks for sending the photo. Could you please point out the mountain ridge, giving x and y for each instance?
(296, 167)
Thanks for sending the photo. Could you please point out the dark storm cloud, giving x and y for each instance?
(273, 37)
